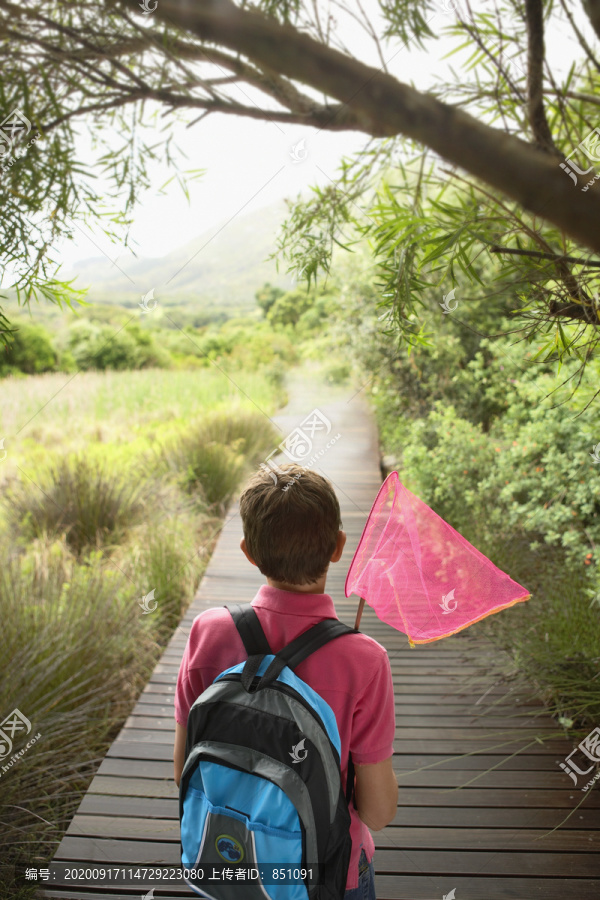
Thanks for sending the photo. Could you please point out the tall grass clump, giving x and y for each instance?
(75, 655)
(80, 498)
(166, 556)
(212, 455)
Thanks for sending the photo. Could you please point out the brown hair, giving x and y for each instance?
(290, 534)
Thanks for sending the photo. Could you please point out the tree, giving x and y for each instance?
(29, 351)
(517, 135)
(266, 296)
(288, 308)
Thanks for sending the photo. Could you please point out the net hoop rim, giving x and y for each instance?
(396, 481)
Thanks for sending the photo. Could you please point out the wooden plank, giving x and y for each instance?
(434, 887)
(166, 829)
(158, 749)
(522, 724)
(403, 887)
(419, 817)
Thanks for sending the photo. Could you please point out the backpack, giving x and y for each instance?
(261, 785)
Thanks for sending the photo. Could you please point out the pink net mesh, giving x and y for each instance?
(419, 574)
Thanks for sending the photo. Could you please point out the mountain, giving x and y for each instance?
(223, 267)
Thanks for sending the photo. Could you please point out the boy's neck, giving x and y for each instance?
(316, 587)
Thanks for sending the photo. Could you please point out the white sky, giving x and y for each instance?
(249, 163)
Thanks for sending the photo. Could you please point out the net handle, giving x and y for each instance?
(359, 613)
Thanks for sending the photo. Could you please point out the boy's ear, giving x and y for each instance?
(245, 551)
(339, 547)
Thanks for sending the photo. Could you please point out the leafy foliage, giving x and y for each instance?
(95, 346)
(30, 351)
(431, 228)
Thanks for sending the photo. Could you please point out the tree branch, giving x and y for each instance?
(534, 17)
(535, 254)
(588, 50)
(378, 104)
(592, 8)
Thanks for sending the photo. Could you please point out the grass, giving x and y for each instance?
(554, 638)
(79, 498)
(118, 416)
(96, 515)
(76, 654)
(212, 455)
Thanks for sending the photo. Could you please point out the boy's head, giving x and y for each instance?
(291, 535)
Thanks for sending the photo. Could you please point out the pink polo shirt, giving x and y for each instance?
(352, 674)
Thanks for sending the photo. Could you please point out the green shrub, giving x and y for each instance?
(95, 345)
(211, 456)
(30, 351)
(514, 493)
(338, 374)
(288, 308)
(81, 499)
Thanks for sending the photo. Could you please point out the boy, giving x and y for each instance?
(292, 536)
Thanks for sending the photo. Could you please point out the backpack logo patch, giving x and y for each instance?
(299, 752)
(229, 849)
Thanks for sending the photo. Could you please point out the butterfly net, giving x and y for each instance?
(419, 574)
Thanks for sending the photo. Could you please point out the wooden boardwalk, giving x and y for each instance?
(480, 824)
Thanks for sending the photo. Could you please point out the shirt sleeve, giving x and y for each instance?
(189, 680)
(374, 720)
(211, 647)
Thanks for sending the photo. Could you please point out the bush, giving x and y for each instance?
(518, 479)
(513, 495)
(31, 351)
(98, 346)
(81, 499)
(211, 457)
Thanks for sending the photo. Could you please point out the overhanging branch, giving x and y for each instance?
(378, 104)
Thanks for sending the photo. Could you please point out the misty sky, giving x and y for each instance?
(249, 163)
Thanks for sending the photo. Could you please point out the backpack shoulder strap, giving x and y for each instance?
(251, 631)
(254, 639)
(299, 649)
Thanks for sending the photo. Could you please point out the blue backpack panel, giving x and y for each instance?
(261, 782)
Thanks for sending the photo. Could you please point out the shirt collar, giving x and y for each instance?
(295, 604)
